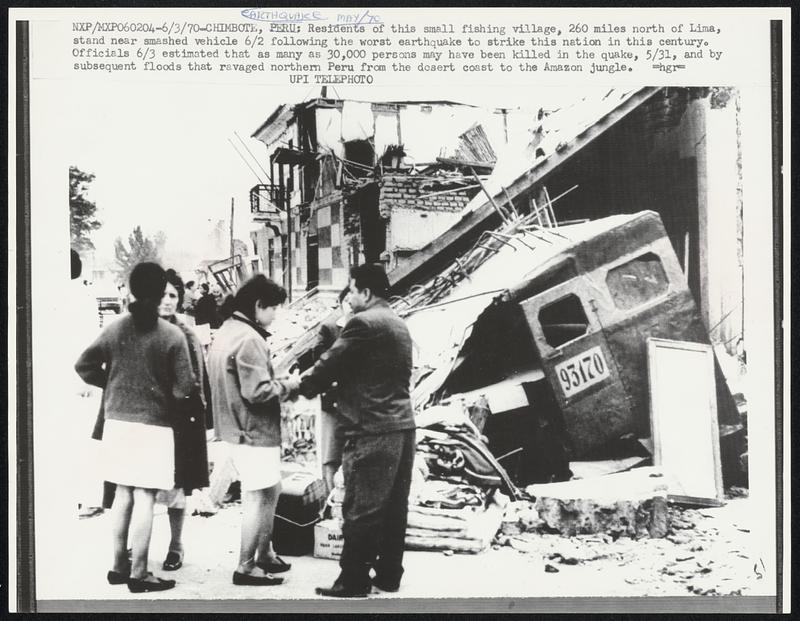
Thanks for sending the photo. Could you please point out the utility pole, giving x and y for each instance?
(233, 268)
(231, 229)
(288, 245)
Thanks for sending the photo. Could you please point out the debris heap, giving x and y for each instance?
(458, 491)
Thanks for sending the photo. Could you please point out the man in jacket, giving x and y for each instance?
(371, 362)
(206, 310)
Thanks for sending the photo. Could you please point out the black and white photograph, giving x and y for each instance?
(348, 345)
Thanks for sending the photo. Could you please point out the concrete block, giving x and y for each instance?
(520, 517)
(632, 504)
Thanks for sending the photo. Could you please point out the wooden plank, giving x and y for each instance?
(454, 161)
(503, 214)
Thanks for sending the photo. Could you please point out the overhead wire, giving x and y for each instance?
(246, 162)
(255, 159)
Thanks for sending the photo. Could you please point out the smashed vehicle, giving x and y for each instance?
(560, 356)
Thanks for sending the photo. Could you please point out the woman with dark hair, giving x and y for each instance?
(246, 401)
(227, 308)
(189, 426)
(142, 364)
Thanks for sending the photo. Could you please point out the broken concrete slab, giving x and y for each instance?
(589, 469)
(520, 517)
(632, 504)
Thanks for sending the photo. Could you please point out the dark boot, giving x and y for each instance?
(385, 585)
(344, 588)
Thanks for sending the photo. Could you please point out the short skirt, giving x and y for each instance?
(138, 455)
(172, 498)
(259, 467)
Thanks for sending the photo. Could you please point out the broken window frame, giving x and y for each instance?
(628, 260)
(550, 296)
(546, 307)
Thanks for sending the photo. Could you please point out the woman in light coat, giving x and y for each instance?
(246, 401)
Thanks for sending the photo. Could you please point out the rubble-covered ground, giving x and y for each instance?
(707, 552)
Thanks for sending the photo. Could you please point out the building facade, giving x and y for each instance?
(353, 182)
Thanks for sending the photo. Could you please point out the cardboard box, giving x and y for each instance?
(328, 539)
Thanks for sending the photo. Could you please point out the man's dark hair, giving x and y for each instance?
(189, 284)
(371, 276)
(343, 294)
(204, 287)
(76, 266)
(260, 289)
(228, 306)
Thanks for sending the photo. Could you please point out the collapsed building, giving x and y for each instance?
(565, 249)
(675, 151)
(352, 181)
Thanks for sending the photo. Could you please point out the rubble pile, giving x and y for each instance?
(455, 503)
(296, 329)
(464, 266)
(705, 552)
(454, 530)
(445, 511)
(457, 498)
(694, 558)
(513, 390)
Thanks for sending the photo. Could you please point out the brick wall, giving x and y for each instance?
(409, 192)
(413, 217)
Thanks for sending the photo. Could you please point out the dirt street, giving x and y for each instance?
(706, 553)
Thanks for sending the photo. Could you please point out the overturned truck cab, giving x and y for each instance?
(579, 323)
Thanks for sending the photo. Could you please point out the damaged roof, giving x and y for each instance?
(269, 128)
(558, 137)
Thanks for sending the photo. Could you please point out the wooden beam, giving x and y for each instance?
(452, 161)
(503, 214)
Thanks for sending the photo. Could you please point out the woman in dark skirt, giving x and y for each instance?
(192, 419)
